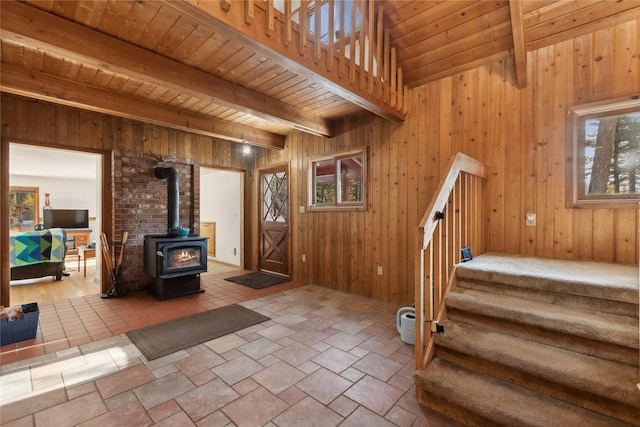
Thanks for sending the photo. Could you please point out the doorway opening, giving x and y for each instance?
(222, 218)
(63, 180)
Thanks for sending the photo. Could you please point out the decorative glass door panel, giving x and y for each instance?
(274, 232)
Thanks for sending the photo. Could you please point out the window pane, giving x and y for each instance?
(612, 155)
(339, 181)
(325, 182)
(351, 179)
(274, 197)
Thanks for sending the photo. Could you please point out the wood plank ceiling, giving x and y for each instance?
(151, 61)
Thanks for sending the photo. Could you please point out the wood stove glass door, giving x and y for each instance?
(274, 225)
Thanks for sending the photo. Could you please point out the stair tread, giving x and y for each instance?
(616, 282)
(611, 328)
(610, 281)
(583, 372)
(503, 402)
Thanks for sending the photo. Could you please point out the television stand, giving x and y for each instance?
(77, 237)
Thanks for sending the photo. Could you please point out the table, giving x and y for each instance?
(85, 252)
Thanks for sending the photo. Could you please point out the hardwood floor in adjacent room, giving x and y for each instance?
(46, 289)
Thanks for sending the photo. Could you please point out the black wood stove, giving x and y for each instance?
(174, 263)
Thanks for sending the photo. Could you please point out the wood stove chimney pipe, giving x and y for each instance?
(173, 194)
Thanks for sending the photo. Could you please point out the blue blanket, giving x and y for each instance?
(30, 247)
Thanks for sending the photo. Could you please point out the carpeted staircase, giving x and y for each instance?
(537, 342)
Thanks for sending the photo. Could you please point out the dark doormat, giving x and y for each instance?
(258, 279)
(168, 337)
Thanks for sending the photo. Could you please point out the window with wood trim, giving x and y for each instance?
(604, 153)
(338, 181)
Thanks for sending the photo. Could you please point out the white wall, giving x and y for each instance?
(71, 178)
(221, 202)
(64, 193)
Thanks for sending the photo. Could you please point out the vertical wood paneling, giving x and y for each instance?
(391, 256)
(513, 165)
(414, 150)
(563, 223)
(543, 138)
(625, 40)
(603, 47)
(493, 101)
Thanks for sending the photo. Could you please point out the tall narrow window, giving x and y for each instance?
(338, 181)
(604, 154)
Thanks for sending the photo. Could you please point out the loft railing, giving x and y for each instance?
(452, 221)
(348, 36)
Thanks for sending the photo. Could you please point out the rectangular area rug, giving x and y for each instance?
(258, 279)
(173, 335)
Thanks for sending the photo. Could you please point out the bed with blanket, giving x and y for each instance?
(40, 253)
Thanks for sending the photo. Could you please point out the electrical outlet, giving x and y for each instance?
(379, 270)
(531, 219)
(303, 258)
(301, 209)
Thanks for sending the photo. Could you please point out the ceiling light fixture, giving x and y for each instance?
(246, 149)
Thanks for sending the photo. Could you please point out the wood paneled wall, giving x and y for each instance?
(520, 135)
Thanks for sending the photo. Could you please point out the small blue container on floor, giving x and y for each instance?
(12, 331)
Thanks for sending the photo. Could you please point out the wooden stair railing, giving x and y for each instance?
(343, 42)
(451, 222)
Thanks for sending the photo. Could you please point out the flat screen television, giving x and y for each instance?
(66, 218)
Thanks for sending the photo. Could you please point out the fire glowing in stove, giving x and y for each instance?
(184, 257)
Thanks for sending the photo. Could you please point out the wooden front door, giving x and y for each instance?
(274, 225)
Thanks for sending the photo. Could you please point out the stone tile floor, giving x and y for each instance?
(325, 358)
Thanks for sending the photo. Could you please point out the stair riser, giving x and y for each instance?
(608, 351)
(502, 402)
(602, 305)
(432, 401)
(608, 407)
(619, 330)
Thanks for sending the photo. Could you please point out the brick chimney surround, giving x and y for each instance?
(140, 207)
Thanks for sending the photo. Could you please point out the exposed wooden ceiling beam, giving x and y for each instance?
(230, 23)
(519, 45)
(31, 26)
(20, 81)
